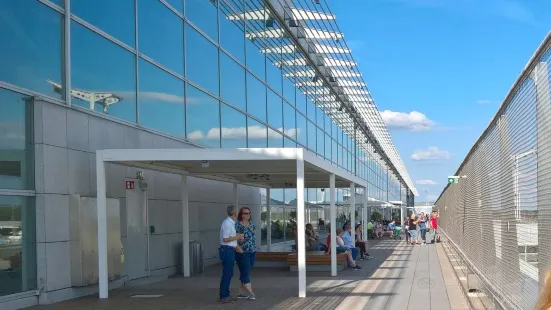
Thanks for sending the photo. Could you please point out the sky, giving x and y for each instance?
(439, 70)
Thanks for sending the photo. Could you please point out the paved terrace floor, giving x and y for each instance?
(400, 276)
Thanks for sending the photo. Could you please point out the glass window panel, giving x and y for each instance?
(310, 110)
(204, 14)
(177, 4)
(202, 60)
(117, 18)
(301, 129)
(105, 69)
(257, 134)
(31, 55)
(233, 82)
(289, 143)
(327, 147)
(320, 117)
(16, 144)
(275, 139)
(334, 152)
(274, 77)
(256, 97)
(161, 100)
(232, 35)
(289, 90)
(275, 110)
(155, 18)
(256, 61)
(203, 121)
(301, 102)
(312, 136)
(19, 254)
(234, 128)
(320, 144)
(289, 120)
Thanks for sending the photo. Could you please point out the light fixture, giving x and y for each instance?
(293, 23)
(315, 79)
(269, 23)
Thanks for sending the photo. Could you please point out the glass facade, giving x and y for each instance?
(187, 68)
(17, 214)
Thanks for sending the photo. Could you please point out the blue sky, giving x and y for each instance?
(453, 61)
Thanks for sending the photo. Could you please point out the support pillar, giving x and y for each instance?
(301, 238)
(333, 220)
(364, 216)
(185, 226)
(353, 212)
(269, 226)
(235, 195)
(102, 226)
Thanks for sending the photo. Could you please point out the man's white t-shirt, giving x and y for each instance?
(227, 230)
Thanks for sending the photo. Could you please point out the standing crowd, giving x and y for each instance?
(416, 228)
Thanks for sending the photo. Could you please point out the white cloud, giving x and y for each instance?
(146, 95)
(255, 132)
(432, 152)
(413, 121)
(483, 101)
(426, 182)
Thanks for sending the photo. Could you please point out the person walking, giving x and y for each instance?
(422, 222)
(247, 257)
(434, 226)
(228, 244)
(413, 229)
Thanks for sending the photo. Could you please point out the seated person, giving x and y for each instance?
(312, 239)
(341, 248)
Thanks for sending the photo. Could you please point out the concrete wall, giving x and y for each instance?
(66, 141)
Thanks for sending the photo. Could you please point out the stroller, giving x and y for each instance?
(397, 231)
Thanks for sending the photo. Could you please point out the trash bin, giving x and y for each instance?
(196, 257)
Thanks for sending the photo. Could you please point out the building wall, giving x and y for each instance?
(65, 145)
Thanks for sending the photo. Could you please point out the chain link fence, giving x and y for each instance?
(498, 215)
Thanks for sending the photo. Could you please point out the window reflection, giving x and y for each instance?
(310, 110)
(202, 60)
(232, 34)
(155, 18)
(233, 82)
(256, 61)
(204, 14)
(234, 127)
(256, 97)
(312, 132)
(107, 71)
(257, 134)
(301, 129)
(328, 147)
(320, 146)
(301, 102)
(177, 4)
(289, 121)
(289, 143)
(275, 139)
(114, 17)
(203, 121)
(161, 100)
(289, 90)
(33, 57)
(275, 110)
(274, 77)
(16, 145)
(17, 244)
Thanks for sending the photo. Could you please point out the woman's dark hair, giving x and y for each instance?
(240, 215)
(309, 226)
(358, 226)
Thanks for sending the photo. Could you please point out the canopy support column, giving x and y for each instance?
(102, 226)
(353, 213)
(333, 221)
(364, 216)
(301, 238)
(185, 226)
(269, 225)
(235, 195)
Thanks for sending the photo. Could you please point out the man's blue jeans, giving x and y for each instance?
(424, 234)
(227, 255)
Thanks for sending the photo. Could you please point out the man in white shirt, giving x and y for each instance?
(228, 242)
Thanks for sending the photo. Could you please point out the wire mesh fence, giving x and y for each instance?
(498, 214)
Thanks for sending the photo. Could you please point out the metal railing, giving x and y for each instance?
(499, 213)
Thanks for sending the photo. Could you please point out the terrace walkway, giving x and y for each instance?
(399, 277)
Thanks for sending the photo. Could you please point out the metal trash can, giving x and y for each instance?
(196, 257)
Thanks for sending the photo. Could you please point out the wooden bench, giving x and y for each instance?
(317, 261)
(271, 259)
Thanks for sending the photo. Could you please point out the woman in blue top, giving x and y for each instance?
(246, 258)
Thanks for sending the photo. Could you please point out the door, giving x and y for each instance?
(135, 251)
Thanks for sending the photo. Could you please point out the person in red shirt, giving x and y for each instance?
(434, 225)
